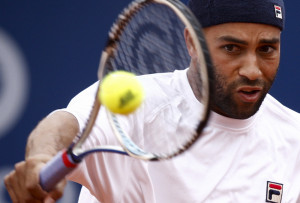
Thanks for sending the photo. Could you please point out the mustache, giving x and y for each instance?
(243, 81)
(220, 83)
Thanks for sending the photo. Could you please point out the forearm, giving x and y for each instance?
(52, 134)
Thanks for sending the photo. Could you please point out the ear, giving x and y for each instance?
(189, 43)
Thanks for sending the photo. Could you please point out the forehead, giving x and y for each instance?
(245, 31)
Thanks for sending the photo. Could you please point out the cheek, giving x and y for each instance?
(225, 65)
(269, 69)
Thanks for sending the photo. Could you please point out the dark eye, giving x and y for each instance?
(231, 48)
(266, 49)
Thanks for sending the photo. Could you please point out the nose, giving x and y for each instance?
(250, 67)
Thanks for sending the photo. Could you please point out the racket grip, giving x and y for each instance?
(55, 170)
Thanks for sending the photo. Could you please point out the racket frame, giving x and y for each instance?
(74, 154)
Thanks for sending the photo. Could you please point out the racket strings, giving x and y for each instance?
(144, 45)
(152, 41)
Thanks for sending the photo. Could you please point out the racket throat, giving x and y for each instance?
(72, 157)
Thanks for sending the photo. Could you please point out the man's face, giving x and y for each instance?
(246, 59)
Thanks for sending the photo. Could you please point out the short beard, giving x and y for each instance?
(224, 103)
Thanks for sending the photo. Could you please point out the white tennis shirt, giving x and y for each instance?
(251, 160)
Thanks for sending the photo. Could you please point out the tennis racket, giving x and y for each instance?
(147, 39)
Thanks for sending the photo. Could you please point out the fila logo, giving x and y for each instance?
(278, 12)
(274, 192)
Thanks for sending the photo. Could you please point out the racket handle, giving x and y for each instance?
(55, 170)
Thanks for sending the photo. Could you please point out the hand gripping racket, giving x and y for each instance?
(147, 38)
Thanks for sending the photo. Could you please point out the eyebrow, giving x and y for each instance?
(228, 38)
(269, 41)
(232, 39)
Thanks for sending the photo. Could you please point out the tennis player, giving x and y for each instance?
(250, 151)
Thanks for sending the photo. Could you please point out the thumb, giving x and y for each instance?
(49, 200)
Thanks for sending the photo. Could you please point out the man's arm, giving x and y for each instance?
(51, 135)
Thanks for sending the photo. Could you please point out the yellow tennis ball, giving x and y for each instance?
(121, 92)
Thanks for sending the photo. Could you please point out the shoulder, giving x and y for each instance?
(278, 111)
(157, 81)
(164, 90)
(81, 104)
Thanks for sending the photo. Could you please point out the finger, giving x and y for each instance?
(49, 200)
(20, 174)
(57, 193)
(23, 194)
(32, 180)
(9, 184)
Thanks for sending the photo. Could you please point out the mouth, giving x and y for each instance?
(249, 94)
